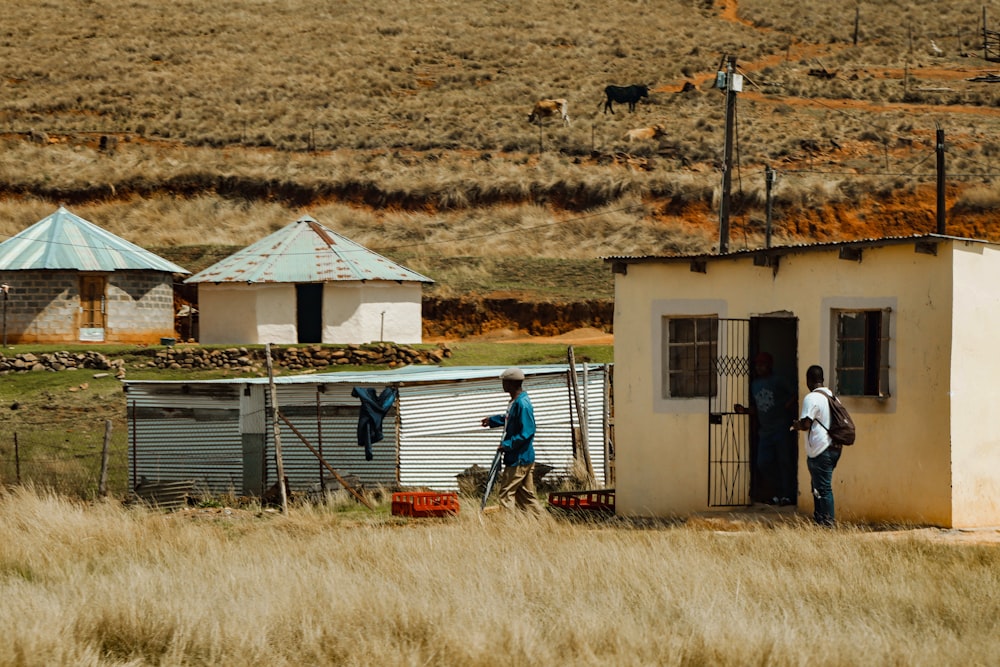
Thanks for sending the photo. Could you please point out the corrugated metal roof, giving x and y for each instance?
(407, 375)
(66, 241)
(786, 249)
(305, 252)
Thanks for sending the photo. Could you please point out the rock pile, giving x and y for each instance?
(311, 357)
(59, 361)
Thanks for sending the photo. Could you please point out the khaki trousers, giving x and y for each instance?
(517, 488)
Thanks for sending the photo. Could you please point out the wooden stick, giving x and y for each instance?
(102, 484)
(278, 460)
(581, 416)
(312, 449)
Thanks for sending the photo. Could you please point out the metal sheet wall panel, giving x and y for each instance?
(441, 433)
(335, 437)
(178, 434)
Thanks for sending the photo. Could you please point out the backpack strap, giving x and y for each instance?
(829, 399)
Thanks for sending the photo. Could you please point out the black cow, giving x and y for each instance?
(623, 95)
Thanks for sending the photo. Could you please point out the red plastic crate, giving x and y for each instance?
(598, 500)
(424, 503)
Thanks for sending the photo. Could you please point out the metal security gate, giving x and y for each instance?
(729, 433)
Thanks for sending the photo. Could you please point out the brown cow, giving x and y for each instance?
(645, 133)
(548, 109)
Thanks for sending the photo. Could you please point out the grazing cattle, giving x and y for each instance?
(623, 95)
(548, 109)
(645, 133)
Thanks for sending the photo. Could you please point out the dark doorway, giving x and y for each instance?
(773, 447)
(309, 312)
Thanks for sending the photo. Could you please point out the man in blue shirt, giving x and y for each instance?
(517, 485)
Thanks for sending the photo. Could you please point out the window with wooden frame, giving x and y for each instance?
(861, 365)
(691, 344)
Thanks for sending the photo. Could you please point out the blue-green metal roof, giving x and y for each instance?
(66, 241)
(305, 252)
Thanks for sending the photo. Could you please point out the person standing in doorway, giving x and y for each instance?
(517, 484)
(822, 454)
(773, 404)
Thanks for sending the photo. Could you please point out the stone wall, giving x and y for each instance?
(251, 361)
(59, 361)
(297, 358)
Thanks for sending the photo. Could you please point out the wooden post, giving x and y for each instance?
(102, 484)
(312, 449)
(574, 440)
(278, 461)
(939, 149)
(135, 450)
(319, 433)
(17, 460)
(581, 416)
(857, 19)
(769, 204)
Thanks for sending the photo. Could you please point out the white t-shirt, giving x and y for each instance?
(817, 407)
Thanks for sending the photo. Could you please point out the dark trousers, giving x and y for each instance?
(776, 463)
(821, 474)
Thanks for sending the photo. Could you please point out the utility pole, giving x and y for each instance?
(732, 83)
(769, 175)
(940, 181)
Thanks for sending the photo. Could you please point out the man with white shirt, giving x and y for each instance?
(822, 454)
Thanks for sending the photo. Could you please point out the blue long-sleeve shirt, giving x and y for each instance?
(519, 431)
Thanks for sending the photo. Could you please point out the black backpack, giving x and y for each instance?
(841, 425)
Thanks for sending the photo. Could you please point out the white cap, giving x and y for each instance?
(512, 373)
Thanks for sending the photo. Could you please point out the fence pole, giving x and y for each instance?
(17, 460)
(102, 485)
(279, 462)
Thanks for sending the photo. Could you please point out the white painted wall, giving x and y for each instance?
(227, 314)
(975, 369)
(372, 311)
(233, 313)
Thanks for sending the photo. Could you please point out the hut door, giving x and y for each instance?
(309, 312)
(93, 308)
(729, 433)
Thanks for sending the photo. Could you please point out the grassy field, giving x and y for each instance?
(99, 584)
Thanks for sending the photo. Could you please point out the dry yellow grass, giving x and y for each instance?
(98, 584)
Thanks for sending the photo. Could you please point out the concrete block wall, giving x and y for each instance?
(44, 306)
(41, 305)
(140, 303)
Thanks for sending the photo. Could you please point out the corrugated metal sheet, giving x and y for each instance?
(404, 376)
(184, 430)
(790, 248)
(441, 433)
(66, 241)
(181, 432)
(335, 436)
(305, 252)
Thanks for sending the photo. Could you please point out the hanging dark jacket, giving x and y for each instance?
(373, 410)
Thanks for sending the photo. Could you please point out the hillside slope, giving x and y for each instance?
(211, 124)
